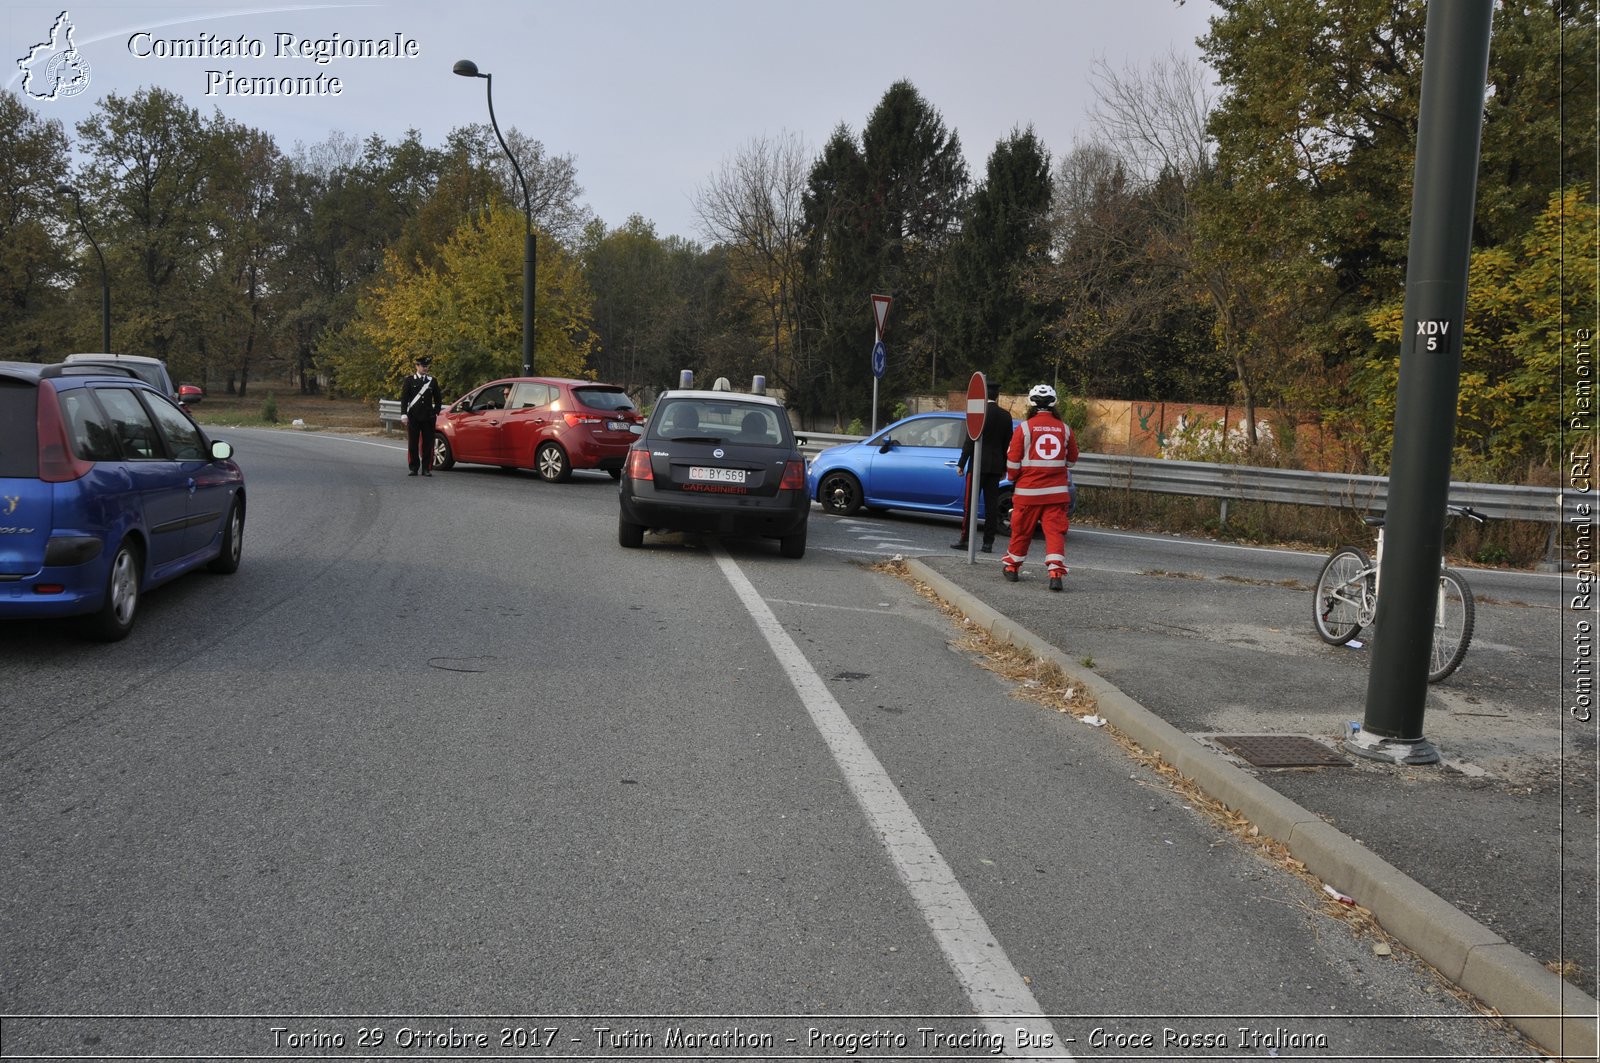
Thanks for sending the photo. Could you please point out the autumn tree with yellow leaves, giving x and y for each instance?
(1519, 296)
(464, 310)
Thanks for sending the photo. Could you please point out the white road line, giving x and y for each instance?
(857, 551)
(999, 995)
(217, 430)
(828, 605)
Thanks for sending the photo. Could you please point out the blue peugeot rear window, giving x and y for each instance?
(19, 432)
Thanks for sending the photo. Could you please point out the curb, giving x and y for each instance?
(1543, 1006)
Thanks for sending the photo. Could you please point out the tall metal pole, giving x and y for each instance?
(105, 274)
(530, 242)
(1455, 66)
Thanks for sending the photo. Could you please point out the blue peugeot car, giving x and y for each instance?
(108, 488)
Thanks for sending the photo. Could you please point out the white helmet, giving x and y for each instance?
(1042, 395)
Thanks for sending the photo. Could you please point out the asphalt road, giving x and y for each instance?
(442, 761)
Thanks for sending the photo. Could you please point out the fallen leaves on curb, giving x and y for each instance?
(1045, 683)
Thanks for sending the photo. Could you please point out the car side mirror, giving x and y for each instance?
(888, 444)
(190, 395)
(221, 451)
(637, 428)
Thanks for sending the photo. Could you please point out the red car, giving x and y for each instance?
(548, 424)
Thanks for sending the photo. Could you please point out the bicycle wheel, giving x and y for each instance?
(1452, 625)
(1343, 589)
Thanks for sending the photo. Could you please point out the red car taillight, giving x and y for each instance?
(575, 419)
(639, 465)
(794, 476)
(57, 463)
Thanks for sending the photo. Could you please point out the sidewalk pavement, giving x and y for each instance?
(1475, 849)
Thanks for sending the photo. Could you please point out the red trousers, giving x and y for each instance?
(1024, 518)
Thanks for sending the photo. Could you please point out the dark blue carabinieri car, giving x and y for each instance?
(717, 461)
(108, 488)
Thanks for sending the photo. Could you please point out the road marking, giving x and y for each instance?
(318, 435)
(857, 551)
(827, 605)
(998, 994)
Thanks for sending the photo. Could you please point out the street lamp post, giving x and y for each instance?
(530, 247)
(105, 275)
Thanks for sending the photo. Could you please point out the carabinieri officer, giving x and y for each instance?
(420, 400)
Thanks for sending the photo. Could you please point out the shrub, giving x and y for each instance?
(269, 409)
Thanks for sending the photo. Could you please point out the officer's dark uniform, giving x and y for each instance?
(996, 438)
(420, 400)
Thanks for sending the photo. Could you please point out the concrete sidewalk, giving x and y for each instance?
(1472, 851)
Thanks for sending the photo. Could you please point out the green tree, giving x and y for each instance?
(999, 318)
(148, 177)
(630, 272)
(1127, 323)
(879, 217)
(916, 192)
(553, 189)
(238, 334)
(348, 204)
(834, 380)
(465, 312)
(1143, 311)
(754, 208)
(1316, 136)
(33, 259)
(1509, 409)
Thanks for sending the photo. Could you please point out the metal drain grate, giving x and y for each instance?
(1282, 751)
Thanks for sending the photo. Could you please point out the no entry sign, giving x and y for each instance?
(977, 394)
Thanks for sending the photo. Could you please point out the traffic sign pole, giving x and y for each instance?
(974, 478)
(880, 314)
(977, 413)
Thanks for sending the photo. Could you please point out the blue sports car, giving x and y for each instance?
(909, 465)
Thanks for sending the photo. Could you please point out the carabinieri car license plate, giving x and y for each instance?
(717, 476)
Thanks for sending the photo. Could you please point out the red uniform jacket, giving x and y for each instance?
(1041, 449)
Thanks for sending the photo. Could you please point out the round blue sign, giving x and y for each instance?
(879, 355)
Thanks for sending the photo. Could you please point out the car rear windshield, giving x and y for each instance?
(603, 398)
(19, 433)
(722, 421)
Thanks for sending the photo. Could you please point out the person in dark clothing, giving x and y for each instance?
(996, 438)
(420, 401)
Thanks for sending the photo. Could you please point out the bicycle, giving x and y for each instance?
(1347, 600)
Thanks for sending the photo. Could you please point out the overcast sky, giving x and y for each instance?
(649, 97)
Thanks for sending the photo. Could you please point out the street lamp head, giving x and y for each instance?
(66, 190)
(467, 69)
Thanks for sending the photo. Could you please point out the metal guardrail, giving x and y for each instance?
(1342, 490)
(1545, 505)
(389, 413)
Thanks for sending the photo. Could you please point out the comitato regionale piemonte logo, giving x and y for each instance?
(54, 68)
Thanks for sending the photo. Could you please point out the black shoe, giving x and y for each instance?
(413, 472)
(959, 544)
(427, 472)
(987, 548)
(1010, 575)
(1055, 583)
